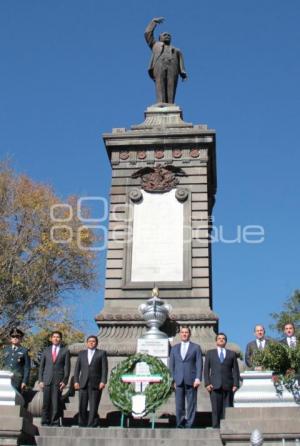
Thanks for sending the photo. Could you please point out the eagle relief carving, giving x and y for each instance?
(160, 178)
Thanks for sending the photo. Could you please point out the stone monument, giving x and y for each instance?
(161, 201)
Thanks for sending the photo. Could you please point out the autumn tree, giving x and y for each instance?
(290, 313)
(44, 249)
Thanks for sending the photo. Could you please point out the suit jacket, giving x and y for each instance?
(157, 50)
(18, 362)
(54, 372)
(188, 369)
(95, 372)
(223, 375)
(250, 349)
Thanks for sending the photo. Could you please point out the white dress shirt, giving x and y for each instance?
(183, 349)
(91, 353)
(55, 350)
(261, 343)
(292, 341)
(219, 352)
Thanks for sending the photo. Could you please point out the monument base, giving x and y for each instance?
(258, 390)
(16, 426)
(278, 425)
(9, 396)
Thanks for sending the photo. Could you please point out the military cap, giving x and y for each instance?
(16, 332)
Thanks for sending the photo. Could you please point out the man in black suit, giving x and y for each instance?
(290, 337)
(90, 377)
(221, 377)
(53, 377)
(186, 370)
(259, 343)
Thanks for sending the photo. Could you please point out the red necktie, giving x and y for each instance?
(54, 354)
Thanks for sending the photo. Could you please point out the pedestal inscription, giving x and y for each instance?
(157, 247)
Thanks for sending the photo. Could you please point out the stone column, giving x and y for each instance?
(161, 200)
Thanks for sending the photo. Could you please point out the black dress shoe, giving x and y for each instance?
(44, 423)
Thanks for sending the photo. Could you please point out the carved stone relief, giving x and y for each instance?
(160, 178)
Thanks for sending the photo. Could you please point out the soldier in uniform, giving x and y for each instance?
(17, 360)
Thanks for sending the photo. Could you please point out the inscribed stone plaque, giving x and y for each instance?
(154, 347)
(157, 244)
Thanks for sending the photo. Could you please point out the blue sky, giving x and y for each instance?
(73, 69)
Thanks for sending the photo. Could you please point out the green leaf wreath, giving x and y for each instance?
(285, 363)
(156, 393)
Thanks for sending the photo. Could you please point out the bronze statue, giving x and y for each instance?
(166, 63)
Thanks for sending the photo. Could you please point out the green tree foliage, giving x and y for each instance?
(35, 270)
(290, 313)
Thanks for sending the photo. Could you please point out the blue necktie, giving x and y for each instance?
(221, 356)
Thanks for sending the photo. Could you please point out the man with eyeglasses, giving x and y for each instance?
(16, 359)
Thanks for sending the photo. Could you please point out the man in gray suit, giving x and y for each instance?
(186, 370)
(90, 377)
(53, 377)
(221, 377)
(290, 337)
(259, 343)
(166, 63)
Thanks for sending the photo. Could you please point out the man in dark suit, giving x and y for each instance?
(53, 377)
(259, 343)
(221, 377)
(166, 63)
(186, 370)
(90, 377)
(290, 337)
(17, 360)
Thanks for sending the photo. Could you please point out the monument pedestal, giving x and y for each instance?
(161, 201)
(162, 195)
(258, 406)
(9, 396)
(278, 425)
(16, 426)
(258, 390)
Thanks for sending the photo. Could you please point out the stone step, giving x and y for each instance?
(130, 433)
(96, 441)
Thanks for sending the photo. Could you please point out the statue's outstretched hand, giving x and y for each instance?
(184, 76)
(158, 20)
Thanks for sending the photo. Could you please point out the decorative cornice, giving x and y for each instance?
(108, 317)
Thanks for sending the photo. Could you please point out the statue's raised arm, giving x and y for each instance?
(166, 63)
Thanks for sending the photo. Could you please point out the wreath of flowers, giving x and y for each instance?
(156, 393)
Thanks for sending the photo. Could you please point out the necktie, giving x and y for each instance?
(54, 354)
(292, 342)
(222, 356)
(260, 345)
